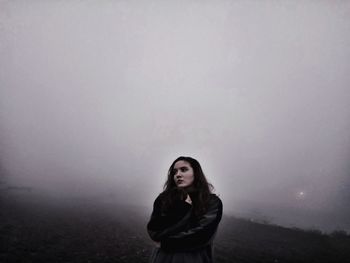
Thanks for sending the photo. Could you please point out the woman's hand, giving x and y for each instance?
(188, 199)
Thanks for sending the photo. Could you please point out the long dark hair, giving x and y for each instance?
(199, 191)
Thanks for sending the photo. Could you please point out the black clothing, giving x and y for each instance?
(183, 237)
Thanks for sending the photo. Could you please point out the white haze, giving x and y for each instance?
(99, 97)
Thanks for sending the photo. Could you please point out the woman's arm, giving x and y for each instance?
(162, 225)
(200, 235)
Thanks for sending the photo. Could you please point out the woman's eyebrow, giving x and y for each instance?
(179, 168)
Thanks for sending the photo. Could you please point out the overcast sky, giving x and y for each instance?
(99, 97)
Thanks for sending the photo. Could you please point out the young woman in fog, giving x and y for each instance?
(185, 216)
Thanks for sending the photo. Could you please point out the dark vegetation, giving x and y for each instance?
(240, 240)
(84, 231)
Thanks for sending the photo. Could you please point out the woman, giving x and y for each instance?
(185, 216)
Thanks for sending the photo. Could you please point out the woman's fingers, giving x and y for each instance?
(188, 199)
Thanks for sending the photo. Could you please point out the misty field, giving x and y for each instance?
(83, 231)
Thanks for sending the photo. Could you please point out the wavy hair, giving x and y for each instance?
(199, 191)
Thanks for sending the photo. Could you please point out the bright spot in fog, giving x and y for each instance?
(300, 195)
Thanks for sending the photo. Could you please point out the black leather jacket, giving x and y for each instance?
(180, 230)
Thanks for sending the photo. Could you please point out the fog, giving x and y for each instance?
(97, 98)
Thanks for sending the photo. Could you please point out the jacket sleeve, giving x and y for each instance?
(162, 224)
(200, 235)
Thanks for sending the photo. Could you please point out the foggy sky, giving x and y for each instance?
(99, 97)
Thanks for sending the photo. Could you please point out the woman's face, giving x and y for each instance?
(183, 174)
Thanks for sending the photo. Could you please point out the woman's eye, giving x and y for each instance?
(183, 169)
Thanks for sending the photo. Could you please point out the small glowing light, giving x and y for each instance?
(300, 195)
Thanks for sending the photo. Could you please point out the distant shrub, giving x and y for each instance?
(300, 230)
